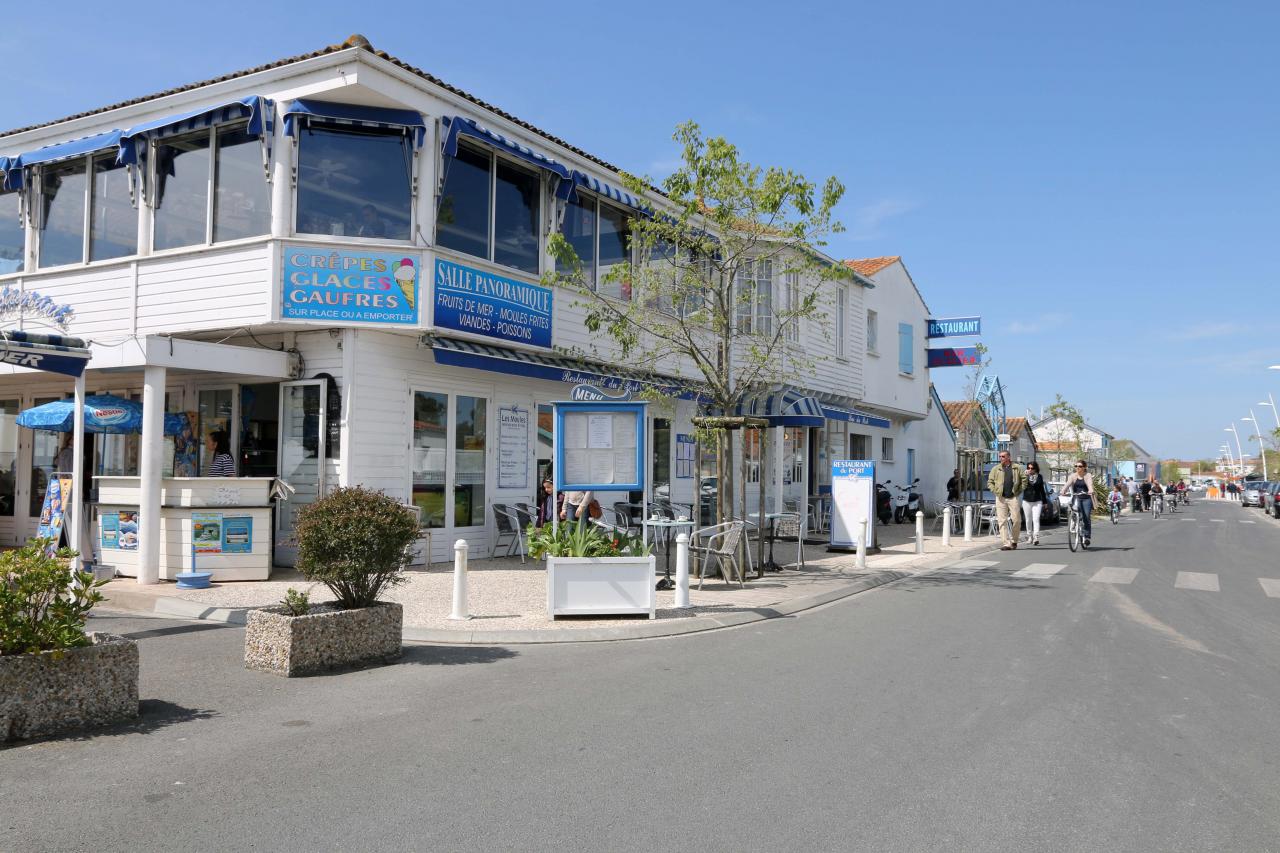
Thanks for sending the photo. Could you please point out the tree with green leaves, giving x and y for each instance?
(973, 379)
(699, 299)
(1066, 433)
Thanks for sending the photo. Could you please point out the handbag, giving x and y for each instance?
(593, 509)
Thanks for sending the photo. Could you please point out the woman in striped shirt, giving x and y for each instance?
(218, 446)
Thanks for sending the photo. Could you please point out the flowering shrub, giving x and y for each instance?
(582, 539)
(356, 542)
(43, 604)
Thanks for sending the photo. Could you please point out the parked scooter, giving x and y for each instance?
(884, 503)
(906, 503)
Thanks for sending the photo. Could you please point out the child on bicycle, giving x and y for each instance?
(1116, 498)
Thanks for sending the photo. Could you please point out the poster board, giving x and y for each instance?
(853, 494)
(600, 446)
(686, 456)
(513, 447)
(206, 532)
(54, 510)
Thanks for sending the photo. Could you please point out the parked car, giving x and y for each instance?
(1253, 490)
(1052, 510)
(1271, 500)
(1064, 502)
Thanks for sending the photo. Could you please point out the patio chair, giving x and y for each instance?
(987, 516)
(509, 527)
(719, 542)
(790, 525)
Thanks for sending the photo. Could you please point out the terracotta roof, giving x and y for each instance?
(1016, 426)
(1062, 446)
(871, 266)
(961, 412)
(354, 41)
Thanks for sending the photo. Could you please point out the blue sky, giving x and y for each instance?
(1097, 180)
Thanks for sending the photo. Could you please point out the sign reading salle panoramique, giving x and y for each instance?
(355, 287)
(482, 303)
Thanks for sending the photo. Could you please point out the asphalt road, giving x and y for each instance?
(1012, 707)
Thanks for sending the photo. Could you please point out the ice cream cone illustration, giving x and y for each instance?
(405, 276)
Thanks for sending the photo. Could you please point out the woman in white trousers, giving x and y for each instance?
(1033, 498)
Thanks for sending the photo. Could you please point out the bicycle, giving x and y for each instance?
(1075, 526)
(1115, 512)
(1157, 505)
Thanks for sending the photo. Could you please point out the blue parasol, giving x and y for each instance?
(103, 413)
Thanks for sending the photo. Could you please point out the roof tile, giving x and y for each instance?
(871, 266)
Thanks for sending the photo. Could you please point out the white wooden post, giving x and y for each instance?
(77, 501)
(920, 532)
(946, 527)
(968, 524)
(152, 468)
(682, 570)
(460, 581)
(861, 560)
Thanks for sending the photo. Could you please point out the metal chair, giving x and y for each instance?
(720, 541)
(987, 516)
(508, 525)
(788, 525)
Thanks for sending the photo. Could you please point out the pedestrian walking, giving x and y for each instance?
(1146, 493)
(1007, 482)
(1033, 500)
(953, 486)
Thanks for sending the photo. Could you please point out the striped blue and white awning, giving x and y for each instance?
(788, 407)
(537, 365)
(53, 353)
(58, 152)
(353, 115)
(599, 187)
(453, 127)
(258, 110)
(855, 416)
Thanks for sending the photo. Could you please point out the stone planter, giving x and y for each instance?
(69, 690)
(326, 638)
(594, 586)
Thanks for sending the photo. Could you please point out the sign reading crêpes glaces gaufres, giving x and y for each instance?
(482, 303)
(350, 286)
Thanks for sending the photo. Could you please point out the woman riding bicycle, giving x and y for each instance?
(1080, 487)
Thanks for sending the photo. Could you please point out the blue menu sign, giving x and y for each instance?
(953, 327)
(355, 287)
(482, 303)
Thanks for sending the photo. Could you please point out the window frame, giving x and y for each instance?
(211, 190)
(791, 296)
(86, 161)
(494, 155)
(751, 321)
(600, 203)
(873, 332)
(886, 448)
(842, 321)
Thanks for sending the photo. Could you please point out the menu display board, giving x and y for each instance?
(600, 446)
(513, 448)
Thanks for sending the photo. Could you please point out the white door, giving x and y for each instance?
(449, 462)
(301, 458)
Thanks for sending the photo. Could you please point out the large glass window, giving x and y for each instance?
(215, 410)
(486, 195)
(755, 297)
(8, 456)
(113, 225)
(355, 182)
(430, 449)
(601, 237)
(183, 167)
(662, 458)
(44, 454)
(63, 192)
(469, 445)
(11, 235)
(579, 229)
(615, 250)
(242, 201)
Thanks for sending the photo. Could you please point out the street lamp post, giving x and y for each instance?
(1239, 452)
(1231, 462)
(1262, 449)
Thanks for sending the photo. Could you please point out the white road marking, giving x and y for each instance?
(1110, 574)
(1242, 521)
(1271, 586)
(1187, 519)
(1040, 570)
(1219, 520)
(968, 567)
(1203, 581)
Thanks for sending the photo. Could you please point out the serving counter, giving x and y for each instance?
(223, 524)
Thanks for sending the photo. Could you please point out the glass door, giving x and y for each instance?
(301, 457)
(217, 411)
(9, 433)
(449, 474)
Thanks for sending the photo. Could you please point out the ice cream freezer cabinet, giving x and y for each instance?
(219, 524)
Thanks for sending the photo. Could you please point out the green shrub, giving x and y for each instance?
(356, 542)
(297, 603)
(583, 540)
(43, 604)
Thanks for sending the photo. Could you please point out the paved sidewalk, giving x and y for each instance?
(507, 598)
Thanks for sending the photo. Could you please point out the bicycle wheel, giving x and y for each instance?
(1115, 515)
(1073, 534)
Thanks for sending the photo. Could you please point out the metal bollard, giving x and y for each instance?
(968, 524)
(919, 532)
(946, 527)
(861, 560)
(460, 580)
(682, 570)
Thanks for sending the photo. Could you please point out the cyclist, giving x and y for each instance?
(1182, 492)
(1157, 494)
(1080, 487)
(1116, 498)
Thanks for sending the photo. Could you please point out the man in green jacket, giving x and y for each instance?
(1006, 481)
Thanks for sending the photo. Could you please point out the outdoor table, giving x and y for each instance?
(772, 518)
(671, 525)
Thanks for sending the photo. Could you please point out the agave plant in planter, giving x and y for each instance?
(357, 543)
(594, 571)
(53, 675)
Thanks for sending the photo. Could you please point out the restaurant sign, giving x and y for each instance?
(953, 357)
(351, 287)
(481, 303)
(952, 327)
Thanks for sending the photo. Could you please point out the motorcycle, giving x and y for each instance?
(884, 503)
(906, 503)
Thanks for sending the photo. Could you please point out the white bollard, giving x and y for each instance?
(946, 527)
(968, 524)
(919, 532)
(861, 560)
(682, 570)
(460, 581)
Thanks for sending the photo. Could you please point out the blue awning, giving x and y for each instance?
(354, 115)
(5, 162)
(599, 187)
(855, 416)
(456, 126)
(536, 365)
(788, 407)
(59, 152)
(258, 110)
(52, 353)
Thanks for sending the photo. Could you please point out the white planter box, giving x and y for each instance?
(593, 586)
